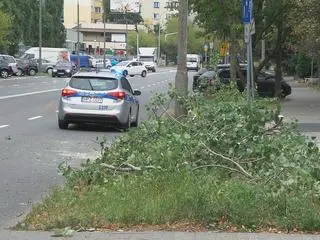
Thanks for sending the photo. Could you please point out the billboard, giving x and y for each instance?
(122, 5)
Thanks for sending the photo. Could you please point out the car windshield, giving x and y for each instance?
(192, 60)
(146, 59)
(64, 64)
(93, 83)
(124, 63)
(209, 74)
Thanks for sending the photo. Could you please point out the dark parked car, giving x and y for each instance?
(5, 69)
(265, 82)
(27, 67)
(195, 84)
(63, 69)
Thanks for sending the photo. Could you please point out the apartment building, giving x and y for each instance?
(90, 11)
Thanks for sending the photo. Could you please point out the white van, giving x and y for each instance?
(193, 62)
(51, 54)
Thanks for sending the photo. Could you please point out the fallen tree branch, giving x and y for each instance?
(217, 165)
(130, 167)
(241, 169)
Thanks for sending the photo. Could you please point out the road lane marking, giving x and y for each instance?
(34, 118)
(4, 126)
(153, 84)
(29, 93)
(149, 86)
(16, 85)
(142, 87)
(44, 82)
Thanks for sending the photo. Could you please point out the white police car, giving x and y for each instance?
(100, 97)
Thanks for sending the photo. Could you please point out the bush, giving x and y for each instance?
(226, 163)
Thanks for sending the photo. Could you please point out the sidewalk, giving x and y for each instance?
(7, 235)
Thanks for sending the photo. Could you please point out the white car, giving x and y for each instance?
(98, 63)
(131, 68)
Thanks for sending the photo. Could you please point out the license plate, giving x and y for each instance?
(92, 100)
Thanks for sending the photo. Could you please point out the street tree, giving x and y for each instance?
(181, 80)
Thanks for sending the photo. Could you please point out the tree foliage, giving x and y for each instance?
(4, 28)
(25, 23)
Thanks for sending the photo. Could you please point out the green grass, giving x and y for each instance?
(171, 198)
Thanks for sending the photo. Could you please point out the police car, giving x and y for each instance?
(100, 97)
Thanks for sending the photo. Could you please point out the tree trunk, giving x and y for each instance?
(233, 55)
(181, 81)
(278, 58)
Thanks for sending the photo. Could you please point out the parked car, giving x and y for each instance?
(195, 84)
(98, 63)
(265, 82)
(131, 68)
(11, 61)
(46, 66)
(99, 97)
(27, 67)
(63, 69)
(5, 69)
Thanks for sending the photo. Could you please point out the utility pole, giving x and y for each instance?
(104, 34)
(40, 34)
(181, 80)
(137, 45)
(78, 34)
(126, 11)
(159, 43)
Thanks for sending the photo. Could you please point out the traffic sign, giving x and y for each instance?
(247, 6)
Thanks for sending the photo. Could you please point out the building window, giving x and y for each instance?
(156, 4)
(97, 10)
(156, 16)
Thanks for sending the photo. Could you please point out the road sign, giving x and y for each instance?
(247, 11)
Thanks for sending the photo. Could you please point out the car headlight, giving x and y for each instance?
(68, 70)
(54, 70)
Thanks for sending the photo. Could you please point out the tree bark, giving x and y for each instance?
(278, 58)
(181, 80)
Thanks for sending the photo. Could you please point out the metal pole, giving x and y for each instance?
(251, 69)
(40, 34)
(78, 34)
(159, 43)
(138, 45)
(104, 34)
(126, 33)
(248, 62)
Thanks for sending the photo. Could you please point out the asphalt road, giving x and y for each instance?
(32, 145)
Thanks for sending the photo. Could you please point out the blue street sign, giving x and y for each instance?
(247, 11)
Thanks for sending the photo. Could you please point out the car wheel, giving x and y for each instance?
(32, 72)
(53, 75)
(153, 70)
(19, 72)
(126, 126)
(125, 73)
(4, 73)
(136, 122)
(144, 74)
(63, 124)
(283, 93)
(49, 71)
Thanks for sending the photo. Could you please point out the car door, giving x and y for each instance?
(131, 100)
(135, 68)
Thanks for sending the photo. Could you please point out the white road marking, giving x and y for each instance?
(158, 82)
(142, 87)
(34, 118)
(153, 84)
(44, 82)
(172, 70)
(29, 93)
(149, 86)
(4, 126)
(16, 85)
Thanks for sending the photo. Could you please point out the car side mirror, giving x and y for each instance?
(129, 66)
(136, 92)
